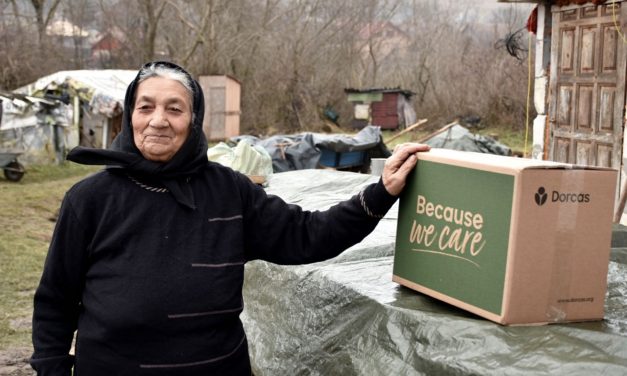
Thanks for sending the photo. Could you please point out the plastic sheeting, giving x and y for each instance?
(103, 89)
(460, 138)
(345, 316)
(302, 151)
(247, 159)
(38, 128)
(367, 138)
(19, 111)
(288, 153)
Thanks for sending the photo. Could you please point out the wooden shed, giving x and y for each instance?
(387, 108)
(222, 107)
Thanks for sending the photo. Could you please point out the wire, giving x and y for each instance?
(616, 23)
(528, 95)
(512, 44)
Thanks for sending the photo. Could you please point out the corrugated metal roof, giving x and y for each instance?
(407, 93)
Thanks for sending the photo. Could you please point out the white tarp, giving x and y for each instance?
(107, 87)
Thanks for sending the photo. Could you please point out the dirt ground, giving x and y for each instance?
(14, 362)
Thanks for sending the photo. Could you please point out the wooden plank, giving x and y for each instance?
(443, 129)
(408, 129)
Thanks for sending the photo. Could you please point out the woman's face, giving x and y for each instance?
(161, 118)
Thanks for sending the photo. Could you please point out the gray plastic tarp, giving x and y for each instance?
(346, 317)
(302, 151)
(460, 138)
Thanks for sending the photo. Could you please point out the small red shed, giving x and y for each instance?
(388, 108)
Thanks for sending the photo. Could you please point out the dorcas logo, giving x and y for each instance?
(541, 196)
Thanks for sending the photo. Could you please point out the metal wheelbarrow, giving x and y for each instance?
(13, 170)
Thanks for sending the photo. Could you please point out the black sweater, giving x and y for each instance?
(154, 288)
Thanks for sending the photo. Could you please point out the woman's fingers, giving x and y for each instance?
(399, 165)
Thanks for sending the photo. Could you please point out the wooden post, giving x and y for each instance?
(408, 129)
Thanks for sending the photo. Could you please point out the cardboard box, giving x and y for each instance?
(514, 240)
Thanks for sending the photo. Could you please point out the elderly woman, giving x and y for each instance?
(147, 258)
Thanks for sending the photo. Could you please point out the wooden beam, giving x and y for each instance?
(408, 129)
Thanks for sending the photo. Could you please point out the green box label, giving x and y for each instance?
(453, 232)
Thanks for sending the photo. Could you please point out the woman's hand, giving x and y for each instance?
(398, 166)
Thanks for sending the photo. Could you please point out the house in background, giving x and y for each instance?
(106, 45)
(383, 39)
(68, 34)
(385, 107)
(580, 67)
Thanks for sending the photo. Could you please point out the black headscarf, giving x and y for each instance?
(173, 174)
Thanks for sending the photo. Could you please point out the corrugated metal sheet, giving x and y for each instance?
(365, 97)
(407, 93)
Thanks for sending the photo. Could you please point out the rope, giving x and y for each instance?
(616, 26)
(147, 187)
(362, 201)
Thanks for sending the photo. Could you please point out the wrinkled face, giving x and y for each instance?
(161, 118)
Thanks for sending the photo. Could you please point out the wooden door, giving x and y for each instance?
(587, 84)
(217, 98)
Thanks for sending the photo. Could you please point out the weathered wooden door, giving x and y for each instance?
(217, 98)
(587, 84)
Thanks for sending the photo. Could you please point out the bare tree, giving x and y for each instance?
(79, 13)
(294, 58)
(152, 10)
(378, 14)
(139, 22)
(43, 16)
(28, 58)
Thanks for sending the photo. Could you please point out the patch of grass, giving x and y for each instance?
(41, 173)
(514, 139)
(29, 208)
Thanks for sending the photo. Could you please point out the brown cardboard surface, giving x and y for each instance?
(560, 256)
(558, 252)
(497, 163)
(487, 162)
